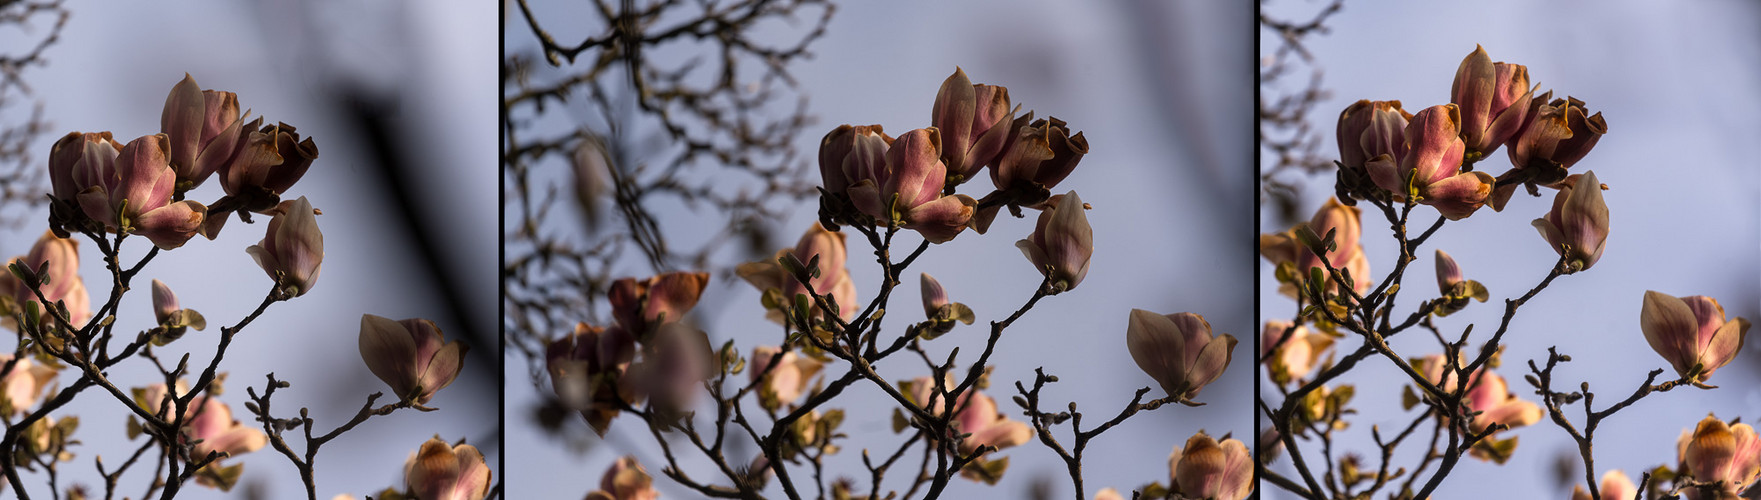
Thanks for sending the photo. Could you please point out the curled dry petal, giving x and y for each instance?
(438, 471)
(1178, 350)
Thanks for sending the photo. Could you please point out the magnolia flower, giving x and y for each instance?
(1208, 469)
(203, 126)
(1368, 129)
(1691, 333)
(1108, 494)
(65, 285)
(988, 427)
(1728, 455)
(642, 305)
(137, 188)
(79, 161)
(785, 382)
(833, 279)
(411, 356)
(1037, 158)
(23, 385)
(974, 121)
(1295, 356)
(625, 480)
(921, 392)
(908, 191)
(851, 153)
(1178, 351)
(1494, 100)
(211, 421)
(674, 365)
(587, 372)
(1347, 253)
(1430, 170)
(1577, 226)
(438, 471)
(1487, 393)
(1556, 134)
(1615, 485)
(292, 251)
(1062, 243)
(268, 162)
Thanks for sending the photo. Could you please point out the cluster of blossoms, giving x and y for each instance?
(101, 187)
(1394, 160)
(876, 185)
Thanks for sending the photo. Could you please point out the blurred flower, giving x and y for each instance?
(79, 161)
(1494, 100)
(1208, 469)
(1062, 243)
(210, 421)
(908, 191)
(642, 305)
(1615, 486)
(1577, 226)
(203, 126)
(268, 162)
(851, 153)
(625, 480)
(1430, 170)
(974, 121)
(1347, 228)
(587, 372)
(1178, 351)
(1691, 333)
(1487, 393)
(1368, 129)
(1108, 494)
(1039, 156)
(988, 427)
(410, 355)
(21, 387)
(673, 367)
(1729, 455)
(784, 383)
(439, 471)
(137, 188)
(65, 285)
(925, 395)
(1296, 356)
(779, 288)
(292, 251)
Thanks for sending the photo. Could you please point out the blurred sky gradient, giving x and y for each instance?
(1678, 86)
(431, 62)
(1160, 91)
